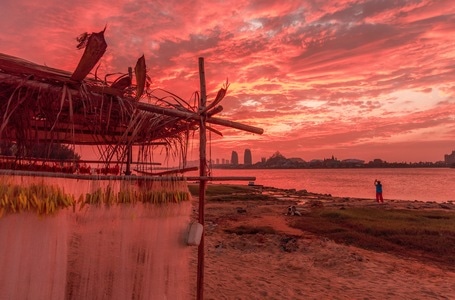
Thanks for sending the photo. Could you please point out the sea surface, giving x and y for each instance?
(423, 184)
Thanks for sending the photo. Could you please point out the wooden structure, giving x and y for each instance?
(39, 104)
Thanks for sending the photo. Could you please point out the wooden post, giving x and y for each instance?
(129, 159)
(202, 182)
(129, 153)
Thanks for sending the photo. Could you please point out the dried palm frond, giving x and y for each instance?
(39, 104)
(82, 40)
(95, 46)
(122, 82)
(176, 101)
(140, 71)
(214, 130)
(219, 96)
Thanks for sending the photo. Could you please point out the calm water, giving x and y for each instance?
(402, 184)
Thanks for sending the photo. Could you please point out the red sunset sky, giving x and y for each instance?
(355, 79)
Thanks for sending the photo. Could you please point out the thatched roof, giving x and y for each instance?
(39, 104)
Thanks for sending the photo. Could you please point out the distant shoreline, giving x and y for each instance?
(391, 203)
(243, 167)
(299, 195)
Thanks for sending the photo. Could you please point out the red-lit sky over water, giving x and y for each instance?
(355, 79)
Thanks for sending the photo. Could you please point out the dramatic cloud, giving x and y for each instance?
(355, 79)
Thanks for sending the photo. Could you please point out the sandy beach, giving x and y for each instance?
(294, 264)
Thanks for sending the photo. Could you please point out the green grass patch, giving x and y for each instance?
(220, 189)
(240, 230)
(226, 192)
(427, 233)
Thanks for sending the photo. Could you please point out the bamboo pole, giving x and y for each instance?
(19, 67)
(80, 161)
(129, 160)
(202, 173)
(120, 177)
(190, 115)
(98, 91)
(167, 172)
(221, 178)
(73, 86)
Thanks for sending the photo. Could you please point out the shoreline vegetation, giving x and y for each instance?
(248, 232)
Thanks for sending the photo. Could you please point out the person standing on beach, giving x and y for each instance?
(378, 185)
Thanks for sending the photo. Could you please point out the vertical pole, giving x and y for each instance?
(202, 182)
(129, 159)
(129, 153)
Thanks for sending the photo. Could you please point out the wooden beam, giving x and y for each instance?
(81, 161)
(119, 177)
(221, 178)
(194, 116)
(167, 172)
(19, 67)
(98, 91)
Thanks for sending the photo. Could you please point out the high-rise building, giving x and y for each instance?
(450, 158)
(247, 159)
(234, 158)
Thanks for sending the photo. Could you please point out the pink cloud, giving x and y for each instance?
(347, 76)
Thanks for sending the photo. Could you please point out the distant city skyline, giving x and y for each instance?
(449, 158)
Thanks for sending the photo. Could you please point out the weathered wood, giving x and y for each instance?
(235, 125)
(73, 86)
(202, 173)
(215, 111)
(17, 66)
(120, 177)
(191, 115)
(81, 161)
(167, 172)
(98, 91)
(129, 159)
(84, 135)
(220, 178)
